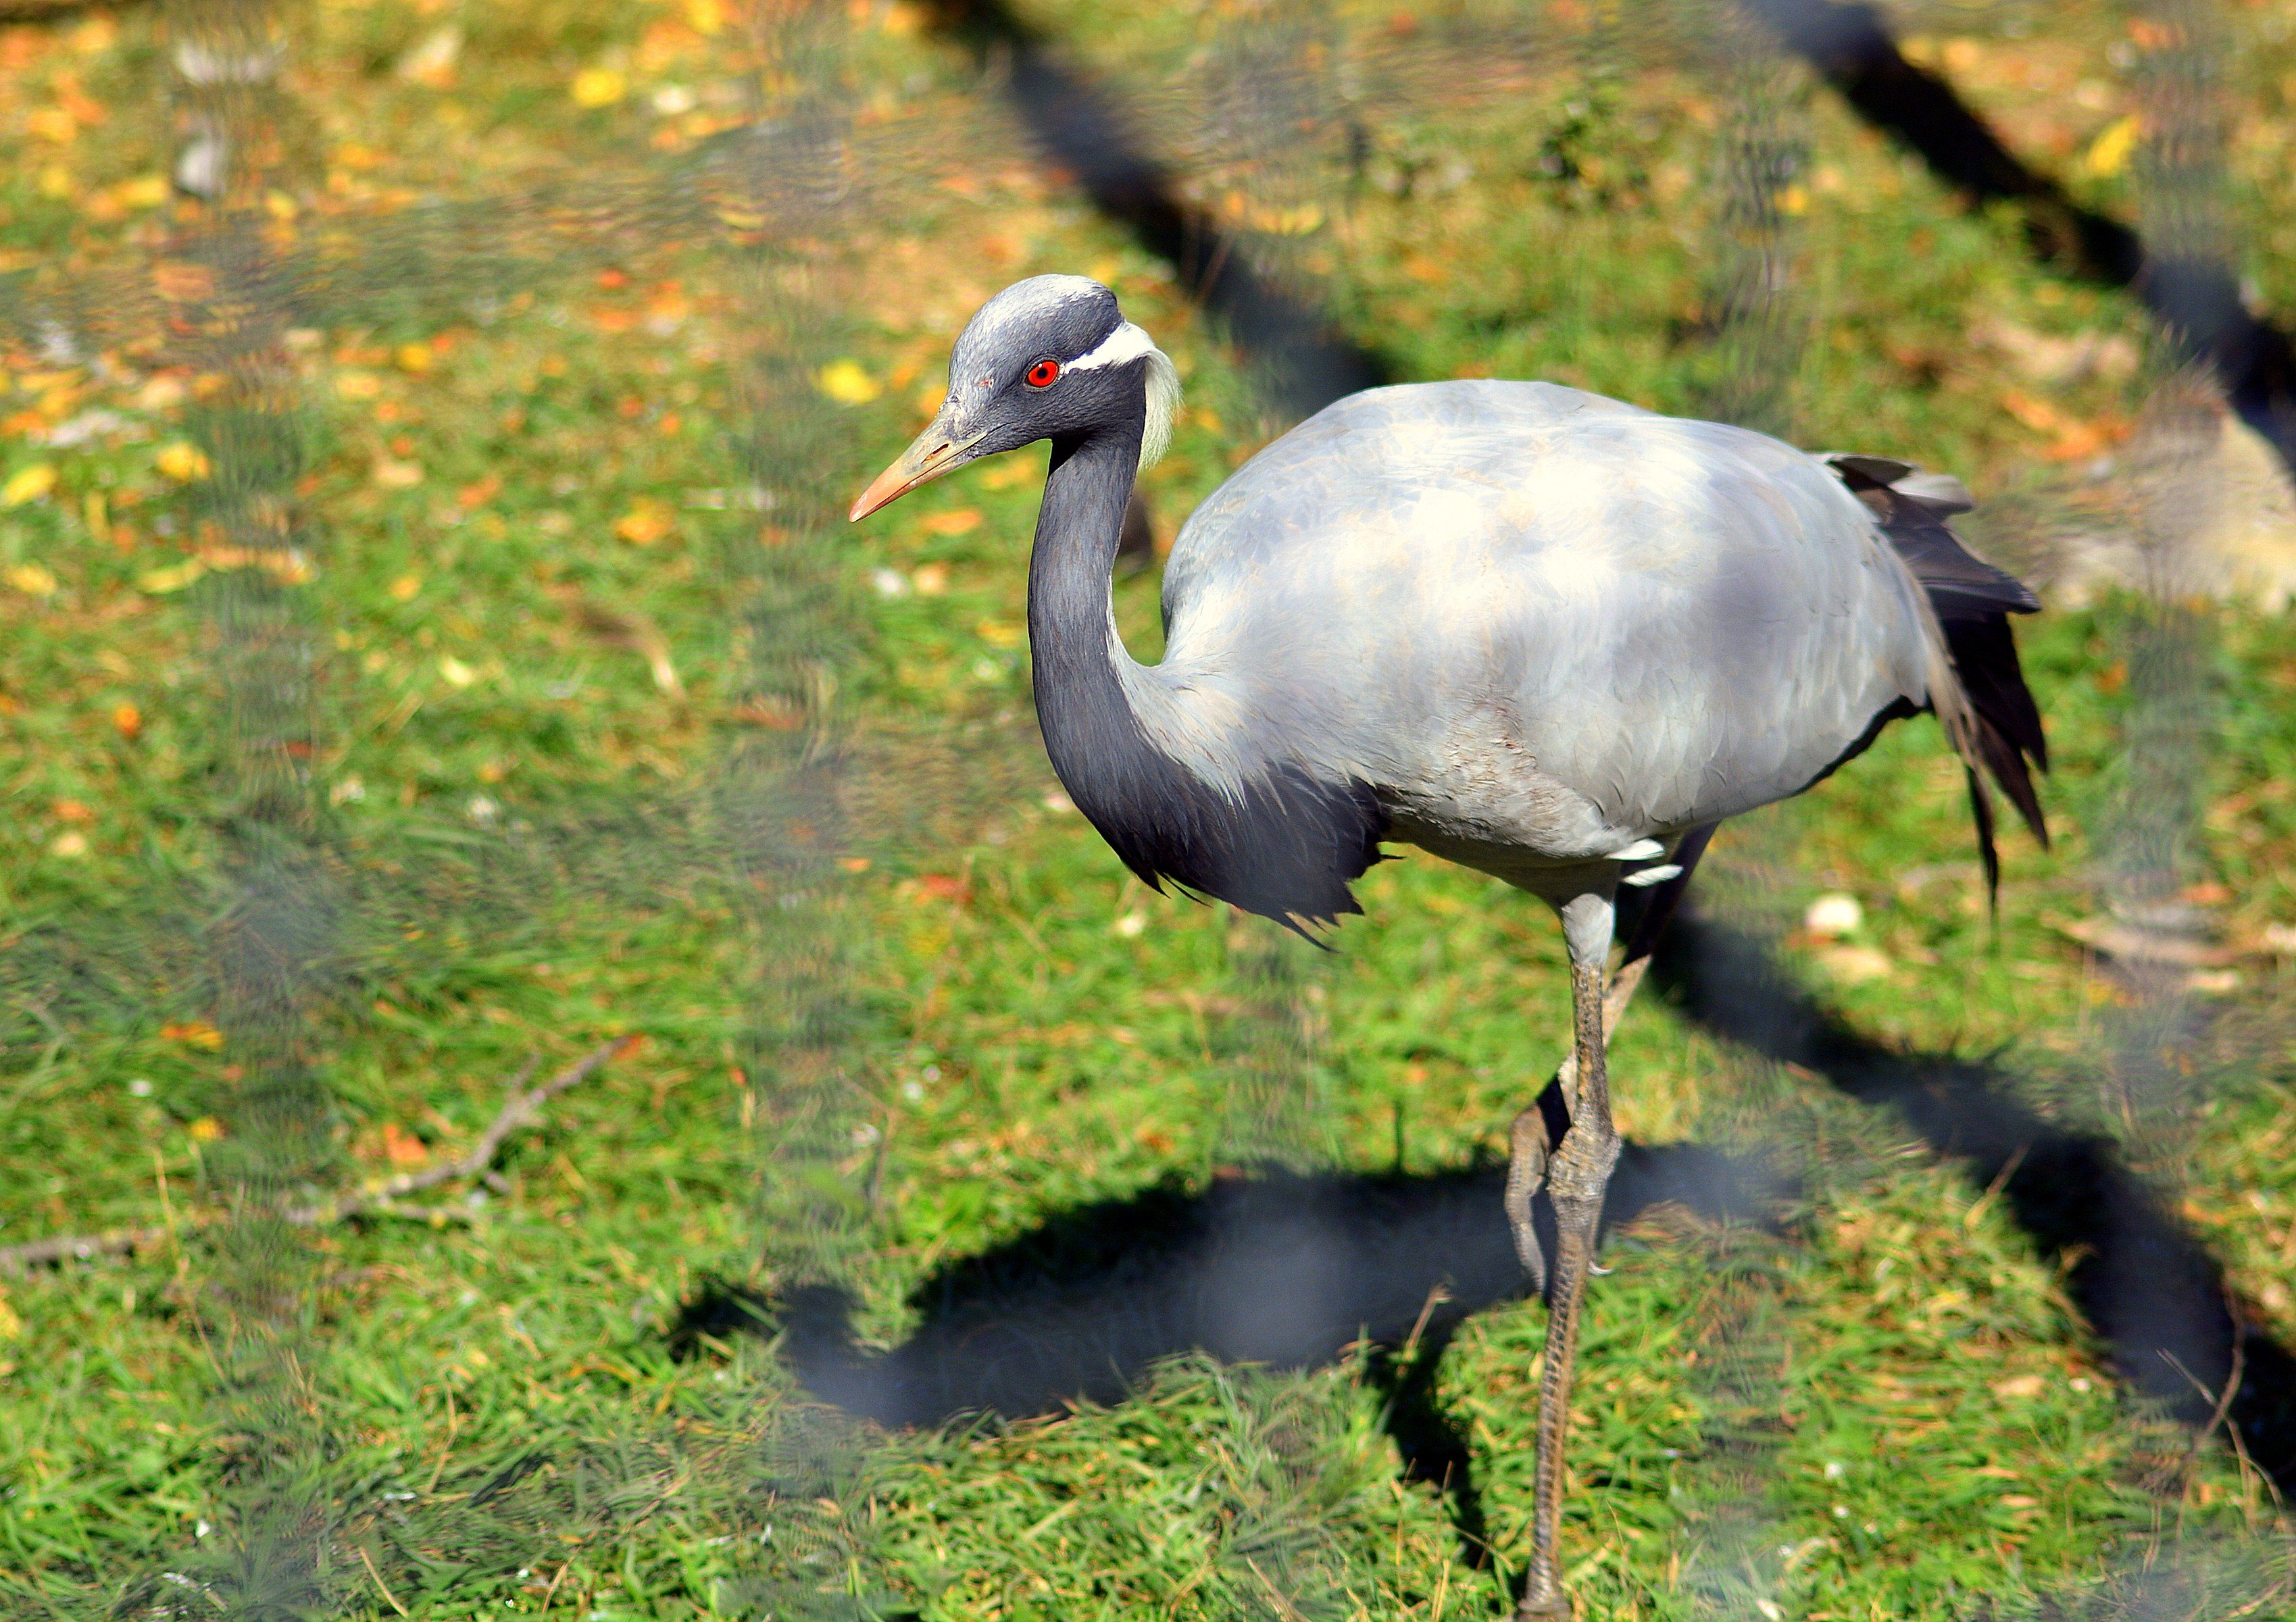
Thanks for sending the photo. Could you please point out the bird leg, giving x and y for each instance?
(1578, 1172)
(1531, 1138)
(1547, 1116)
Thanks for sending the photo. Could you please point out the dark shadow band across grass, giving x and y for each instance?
(1275, 1268)
(1288, 1270)
(2148, 1289)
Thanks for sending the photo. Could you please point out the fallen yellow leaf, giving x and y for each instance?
(172, 578)
(643, 524)
(844, 382)
(206, 1129)
(395, 475)
(1302, 220)
(598, 87)
(182, 460)
(2111, 152)
(358, 385)
(193, 1033)
(457, 672)
(51, 124)
(144, 192)
(28, 484)
(33, 581)
(416, 357)
(127, 721)
(403, 589)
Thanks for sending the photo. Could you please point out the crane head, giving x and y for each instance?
(1050, 357)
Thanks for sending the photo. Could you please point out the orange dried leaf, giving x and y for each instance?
(401, 1147)
(962, 521)
(181, 281)
(2034, 413)
(942, 887)
(644, 524)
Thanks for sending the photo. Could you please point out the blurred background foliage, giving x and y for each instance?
(433, 650)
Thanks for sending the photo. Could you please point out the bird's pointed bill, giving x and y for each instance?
(933, 453)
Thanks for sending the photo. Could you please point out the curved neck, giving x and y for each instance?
(1277, 841)
(1074, 651)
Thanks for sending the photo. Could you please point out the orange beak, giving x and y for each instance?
(932, 454)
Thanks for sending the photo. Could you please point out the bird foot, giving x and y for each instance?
(1527, 1148)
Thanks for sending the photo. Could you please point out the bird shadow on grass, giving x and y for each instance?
(1290, 1270)
(2148, 1288)
(1278, 1268)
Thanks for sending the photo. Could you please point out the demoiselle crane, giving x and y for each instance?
(1549, 636)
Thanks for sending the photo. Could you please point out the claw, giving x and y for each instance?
(1527, 1148)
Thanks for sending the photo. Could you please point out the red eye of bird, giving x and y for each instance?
(1041, 375)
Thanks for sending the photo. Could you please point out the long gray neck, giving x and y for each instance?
(1281, 842)
(1090, 729)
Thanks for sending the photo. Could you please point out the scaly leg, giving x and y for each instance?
(1577, 1173)
(1547, 1116)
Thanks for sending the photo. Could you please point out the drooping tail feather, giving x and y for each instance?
(1972, 602)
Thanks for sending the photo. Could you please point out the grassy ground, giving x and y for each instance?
(525, 571)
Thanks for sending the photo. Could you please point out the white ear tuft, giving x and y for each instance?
(1163, 406)
(1129, 343)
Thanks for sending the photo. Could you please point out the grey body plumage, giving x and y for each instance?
(1534, 631)
(1541, 626)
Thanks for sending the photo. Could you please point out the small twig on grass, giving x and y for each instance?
(551, 1592)
(1975, 1214)
(380, 1200)
(2222, 1405)
(381, 1585)
(79, 1246)
(1283, 1602)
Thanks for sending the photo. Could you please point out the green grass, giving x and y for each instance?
(1888, 1409)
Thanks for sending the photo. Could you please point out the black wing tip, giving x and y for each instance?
(1988, 854)
(1972, 600)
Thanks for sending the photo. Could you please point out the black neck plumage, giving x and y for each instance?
(1280, 842)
